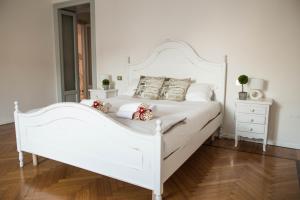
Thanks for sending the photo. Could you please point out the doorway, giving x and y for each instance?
(76, 66)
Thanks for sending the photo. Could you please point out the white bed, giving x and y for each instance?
(197, 114)
(80, 136)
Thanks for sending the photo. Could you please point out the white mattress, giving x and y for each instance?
(198, 114)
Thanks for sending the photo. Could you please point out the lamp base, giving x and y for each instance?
(256, 94)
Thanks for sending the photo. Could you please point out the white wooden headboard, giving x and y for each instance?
(178, 59)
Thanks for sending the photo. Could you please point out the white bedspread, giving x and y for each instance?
(197, 114)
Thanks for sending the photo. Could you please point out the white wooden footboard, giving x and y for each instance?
(80, 136)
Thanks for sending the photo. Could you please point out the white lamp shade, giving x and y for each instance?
(257, 84)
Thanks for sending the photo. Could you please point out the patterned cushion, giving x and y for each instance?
(149, 87)
(174, 89)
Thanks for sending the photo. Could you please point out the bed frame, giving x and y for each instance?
(77, 135)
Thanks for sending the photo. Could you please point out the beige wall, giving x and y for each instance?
(26, 56)
(261, 39)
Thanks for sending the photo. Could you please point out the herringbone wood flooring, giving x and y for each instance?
(211, 173)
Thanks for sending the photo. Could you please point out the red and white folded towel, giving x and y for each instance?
(99, 105)
(137, 111)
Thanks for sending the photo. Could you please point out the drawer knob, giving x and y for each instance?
(252, 110)
(251, 129)
(252, 120)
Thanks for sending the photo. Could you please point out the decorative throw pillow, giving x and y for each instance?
(174, 89)
(149, 87)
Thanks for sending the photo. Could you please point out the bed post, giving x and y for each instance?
(221, 130)
(158, 158)
(18, 133)
(34, 160)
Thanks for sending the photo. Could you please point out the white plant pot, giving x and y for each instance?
(105, 87)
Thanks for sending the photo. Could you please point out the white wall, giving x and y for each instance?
(261, 39)
(26, 56)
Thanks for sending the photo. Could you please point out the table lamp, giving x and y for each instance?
(256, 86)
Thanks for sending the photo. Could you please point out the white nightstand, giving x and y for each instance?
(103, 94)
(251, 119)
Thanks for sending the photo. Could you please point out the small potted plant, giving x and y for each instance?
(105, 84)
(243, 79)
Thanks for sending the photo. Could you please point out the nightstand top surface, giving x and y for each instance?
(110, 90)
(265, 101)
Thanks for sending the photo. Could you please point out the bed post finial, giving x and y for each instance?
(16, 106)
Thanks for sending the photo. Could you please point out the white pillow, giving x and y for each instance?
(199, 92)
(131, 88)
(87, 102)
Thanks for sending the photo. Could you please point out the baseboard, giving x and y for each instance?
(227, 135)
(6, 122)
(275, 143)
(284, 144)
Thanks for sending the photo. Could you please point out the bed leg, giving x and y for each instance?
(236, 141)
(21, 159)
(213, 137)
(220, 132)
(156, 196)
(34, 160)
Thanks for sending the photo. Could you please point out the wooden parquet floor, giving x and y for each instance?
(212, 173)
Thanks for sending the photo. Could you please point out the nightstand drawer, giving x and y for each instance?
(250, 135)
(250, 118)
(243, 108)
(252, 128)
(97, 96)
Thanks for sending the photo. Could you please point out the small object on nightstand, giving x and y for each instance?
(106, 81)
(256, 85)
(98, 94)
(242, 80)
(251, 119)
(105, 84)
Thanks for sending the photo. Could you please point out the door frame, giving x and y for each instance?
(77, 89)
(87, 62)
(56, 7)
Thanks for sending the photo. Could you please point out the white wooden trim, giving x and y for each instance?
(158, 158)
(75, 134)
(6, 122)
(56, 7)
(284, 144)
(179, 60)
(76, 91)
(18, 135)
(83, 137)
(252, 110)
(34, 160)
(269, 142)
(174, 161)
